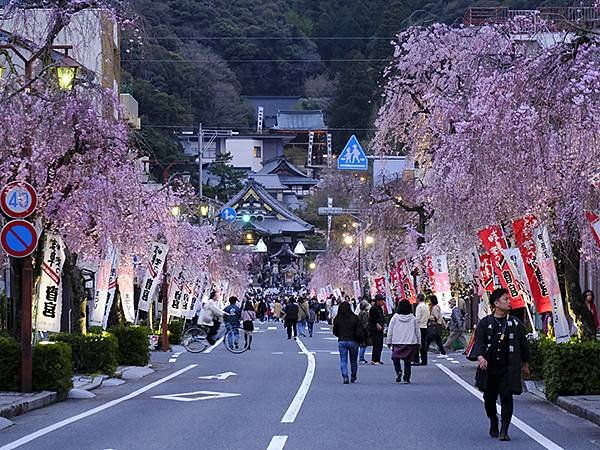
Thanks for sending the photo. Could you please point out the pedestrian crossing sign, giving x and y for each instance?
(353, 156)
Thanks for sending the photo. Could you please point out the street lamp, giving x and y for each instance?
(175, 211)
(348, 240)
(204, 210)
(369, 240)
(66, 74)
(312, 265)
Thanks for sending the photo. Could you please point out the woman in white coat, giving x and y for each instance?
(404, 338)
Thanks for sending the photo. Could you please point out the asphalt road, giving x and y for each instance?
(278, 402)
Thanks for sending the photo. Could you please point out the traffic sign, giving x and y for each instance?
(18, 199)
(228, 214)
(19, 238)
(353, 156)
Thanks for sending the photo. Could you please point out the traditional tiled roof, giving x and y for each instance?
(274, 217)
(300, 120)
(288, 173)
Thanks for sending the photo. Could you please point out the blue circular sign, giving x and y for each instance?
(19, 238)
(228, 214)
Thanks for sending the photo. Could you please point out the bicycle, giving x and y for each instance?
(235, 339)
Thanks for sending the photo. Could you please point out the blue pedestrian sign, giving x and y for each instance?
(353, 156)
(228, 214)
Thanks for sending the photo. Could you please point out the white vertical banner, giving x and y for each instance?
(48, 295)
(175, 291)
(125, 282)
(102, 288)
(441, 281)
(158, 253)
(517, 266)
(545, 261)
(357, 290)
(196, 296)
(112, 288)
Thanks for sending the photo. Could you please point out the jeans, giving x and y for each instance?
(361, 352)
(398, 367)
(310, 328)
(456, 336)
(232, 338)
(301, 327)
(491, 393)
(290, 325)
(345, 348)
(377, 339)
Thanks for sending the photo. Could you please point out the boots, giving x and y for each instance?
(504, 431)
(494, 427)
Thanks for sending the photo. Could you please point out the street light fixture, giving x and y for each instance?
(204, 210)
(312, 265)
(175, 211)
(369, 240)
(66, 76)
(348, 240)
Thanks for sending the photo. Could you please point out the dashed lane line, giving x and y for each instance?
(215, 345)
(174, 357)
(83, 415)
(529, 431)
(277, 443)
(294, 408)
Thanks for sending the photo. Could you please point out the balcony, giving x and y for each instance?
(544, 18)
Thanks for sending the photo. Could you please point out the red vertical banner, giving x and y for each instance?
(395, 280)
(406, 284)
(380, 285)
(594, 221)
(493, 240)
(486, 271)
(524, 236)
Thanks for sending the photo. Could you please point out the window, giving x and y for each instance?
(257, 151)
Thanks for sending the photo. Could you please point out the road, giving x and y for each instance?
(286, 397)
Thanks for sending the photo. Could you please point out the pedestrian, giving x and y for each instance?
(248, 318)
(435, 325)
(422, 316)
(277, 310)
(322, 311)
(310, 320)
(588, 300)
(262, 310)
(376, 326)
(404, 338)
(363, 319)
(457, 327)
(210, 315)
(291, 318)
(233, 315)
(347, 329)
(302, 316)
(502, 353)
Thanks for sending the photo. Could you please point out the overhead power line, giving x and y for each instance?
(240, 61)
(274, 38)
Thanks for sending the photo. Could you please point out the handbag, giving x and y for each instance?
(434, 329)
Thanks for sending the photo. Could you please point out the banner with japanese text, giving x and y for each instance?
(486, 272)
(545, 260)
(407, 288)
(47, 307)
(357, 290)
(493, 240)
(125, 282)
(524, 228)
(154, 266)
(112, 288)
(395, 286)
(440, 281)
(594, 221)
(177, 285)
(102, 288)
(196, 297)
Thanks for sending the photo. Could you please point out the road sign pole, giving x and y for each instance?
(165, 309)
(26, 302)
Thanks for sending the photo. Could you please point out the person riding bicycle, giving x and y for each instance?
(232, 320)
(211, 313)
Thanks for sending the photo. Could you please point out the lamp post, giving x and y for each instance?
(66, 77)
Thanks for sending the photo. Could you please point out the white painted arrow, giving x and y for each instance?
(199, 395)
(219, 376)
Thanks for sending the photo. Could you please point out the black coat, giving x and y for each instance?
(291, 311)
(518, 351)
(346, 328)
(376, 317)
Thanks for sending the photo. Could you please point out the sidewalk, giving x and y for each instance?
(16, 403)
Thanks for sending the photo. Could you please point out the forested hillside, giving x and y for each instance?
(197, 58)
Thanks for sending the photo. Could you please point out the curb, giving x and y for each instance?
(578, 410)
(21, 406)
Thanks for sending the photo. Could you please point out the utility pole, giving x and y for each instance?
(200, 152)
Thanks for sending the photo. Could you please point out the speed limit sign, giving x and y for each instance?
(18, 199)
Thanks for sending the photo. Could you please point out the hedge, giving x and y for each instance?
(536, 362)
(91, 353)
(52, 367)
(572, 368)
(10, 365)
(175, 331)
(132, 344)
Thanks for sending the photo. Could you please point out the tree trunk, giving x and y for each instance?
(568, 273)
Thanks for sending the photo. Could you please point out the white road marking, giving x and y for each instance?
(313, 352)
(271, 328)
(219, 376)
(334, 353)
(331, 339)
(174, 357)
(212, 347)
(277, 443)
(200, 395)
(172, 360)
(324, 332)
(276, 353)
(529, 431)
(455, 362)
(325, 328)
(294, 408)
(83, 415)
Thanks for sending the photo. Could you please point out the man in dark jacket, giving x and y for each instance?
(291, 317)
(376, 325)
(502, 352)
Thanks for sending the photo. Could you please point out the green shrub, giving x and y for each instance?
(10, 365)
(133, 345)
(92, 353)
(175, 331)
(52, 367)
(536, 362)
(572, 368)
